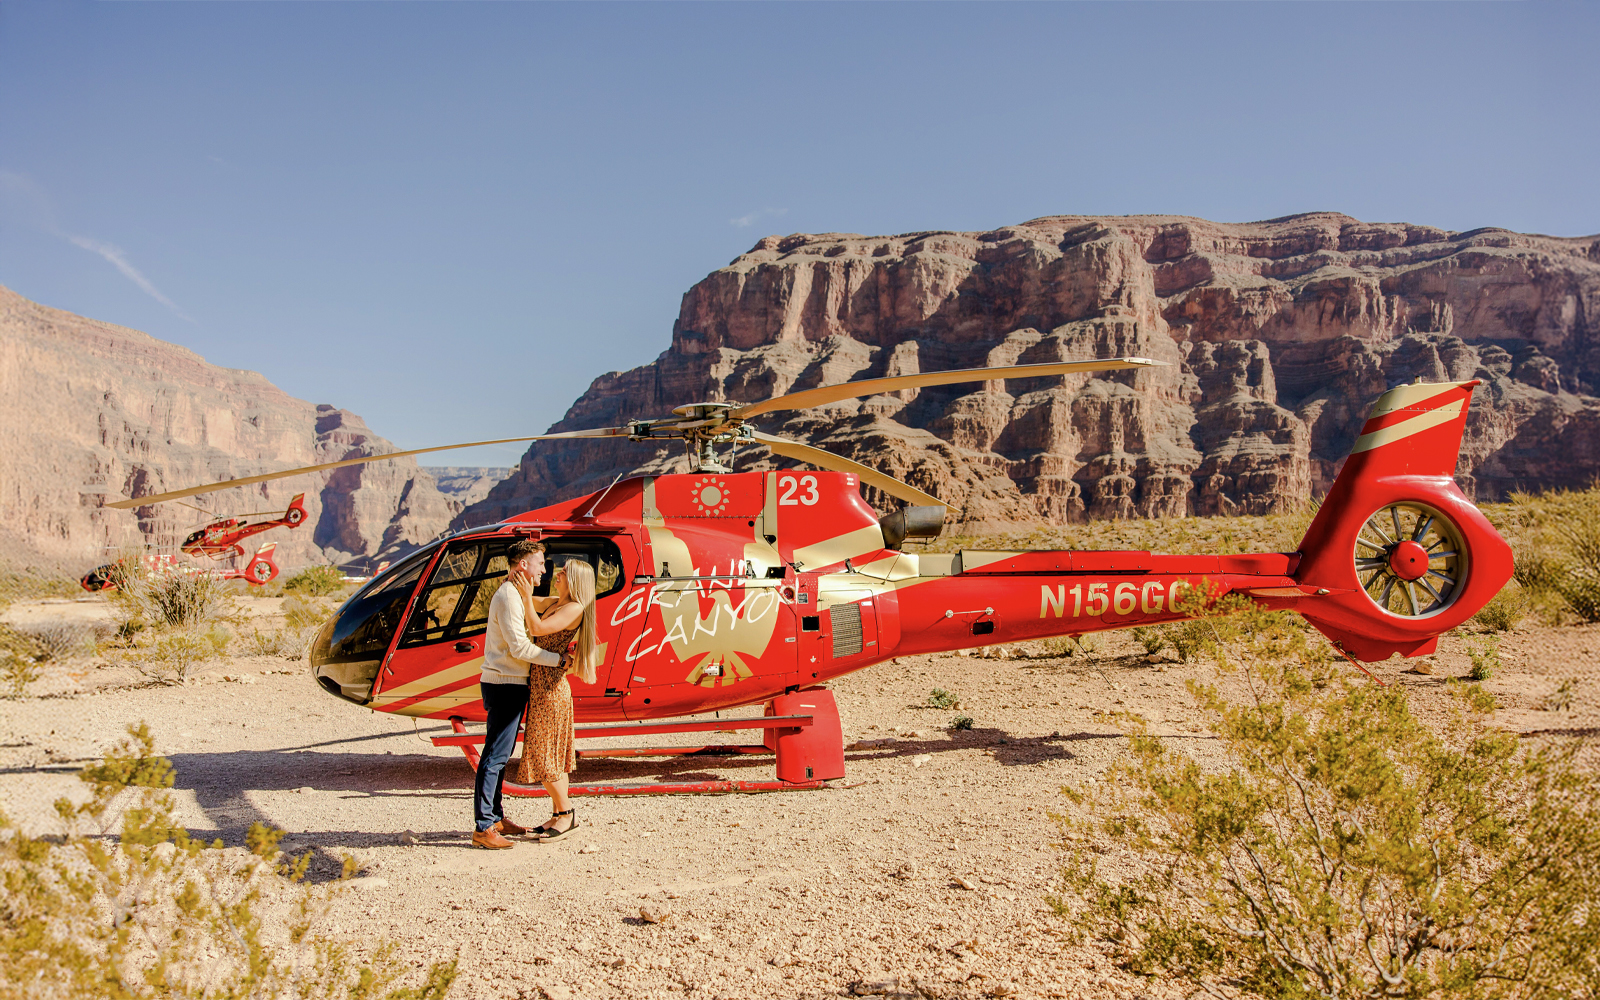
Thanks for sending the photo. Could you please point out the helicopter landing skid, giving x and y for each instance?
(809, 748)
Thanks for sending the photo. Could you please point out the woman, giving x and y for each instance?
(567, 616)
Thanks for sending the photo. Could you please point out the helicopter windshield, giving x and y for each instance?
(349, 649)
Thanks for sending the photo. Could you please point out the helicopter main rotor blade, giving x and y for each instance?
(872, 386)
(229, 484)
(838, 463)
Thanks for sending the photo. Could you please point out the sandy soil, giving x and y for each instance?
(773, 895)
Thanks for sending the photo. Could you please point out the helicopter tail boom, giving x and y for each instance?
(1397, 553)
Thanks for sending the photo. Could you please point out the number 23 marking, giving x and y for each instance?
(789, 484)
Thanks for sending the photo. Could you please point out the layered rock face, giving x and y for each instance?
(1278, 334)
(91, 412)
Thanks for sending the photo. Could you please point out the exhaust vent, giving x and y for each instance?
(911, 522)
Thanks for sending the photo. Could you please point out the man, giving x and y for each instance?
(507, 651)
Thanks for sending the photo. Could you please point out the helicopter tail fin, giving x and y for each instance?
(1397, 555)
(296, 512)
(261, 569)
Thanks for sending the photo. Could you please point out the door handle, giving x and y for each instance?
(466, 647)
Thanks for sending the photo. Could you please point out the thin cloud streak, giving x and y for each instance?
(119, 260)
(21, 195)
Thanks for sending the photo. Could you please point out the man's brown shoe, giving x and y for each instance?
(491, 839)
(509, 829)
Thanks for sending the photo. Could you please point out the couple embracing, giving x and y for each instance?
(525, 667)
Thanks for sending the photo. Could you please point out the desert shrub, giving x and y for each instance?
(175, 654)
(30, 584)
(940, 698)
(1560, 700)
(1341, 848)
(1485, 659)
(154, 913)
(63, 640)
(19, 662)
(173, 599)
(302, 612)
(1505, 609)
(961, 723)
(315, 581)
(288, 643)
(1153, 639)
(1555, 539)
(1066, 645)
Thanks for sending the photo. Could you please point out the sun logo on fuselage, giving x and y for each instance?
(710, 495)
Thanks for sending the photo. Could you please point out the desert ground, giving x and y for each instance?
(924, 872)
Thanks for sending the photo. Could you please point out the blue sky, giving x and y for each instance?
(450, 217)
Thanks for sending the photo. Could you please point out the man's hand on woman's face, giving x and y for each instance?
(522, 581)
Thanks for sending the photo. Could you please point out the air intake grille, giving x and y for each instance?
(846, 622)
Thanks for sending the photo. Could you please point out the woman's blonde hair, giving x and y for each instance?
(580, 585)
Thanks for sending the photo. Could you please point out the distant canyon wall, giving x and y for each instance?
(91, 412)
(1279, 335)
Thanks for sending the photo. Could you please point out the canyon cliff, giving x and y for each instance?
(91, 412)
(1279, 335)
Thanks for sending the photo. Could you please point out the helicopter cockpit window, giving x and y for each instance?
(455, 603)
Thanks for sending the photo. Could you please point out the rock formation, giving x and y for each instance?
(1279, 335)
(90, 412)
(465, 485)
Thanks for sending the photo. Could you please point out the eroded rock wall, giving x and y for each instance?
(1279, 335)
(90, 412)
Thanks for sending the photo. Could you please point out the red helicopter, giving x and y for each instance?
(719, 590)
(221, 538)
(261, 569)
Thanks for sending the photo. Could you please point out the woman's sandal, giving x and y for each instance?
(547, 835)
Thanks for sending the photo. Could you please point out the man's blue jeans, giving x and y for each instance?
(505, 704)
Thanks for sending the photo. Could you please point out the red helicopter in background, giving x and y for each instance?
(717, 590)
(261, 569)
(221, 538)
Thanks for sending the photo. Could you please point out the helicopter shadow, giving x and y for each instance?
(1007, 750)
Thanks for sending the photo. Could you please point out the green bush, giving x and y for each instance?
(175, 654)
(172, 600)
(19, 662)
(1504, 609)
(154, 913)
(1555, 541)
(1152, 638)
(315, 581)
(287, 643)
(940, 698)
(961, 723)
(1341, 848)
(304, 613)
(1485, 660)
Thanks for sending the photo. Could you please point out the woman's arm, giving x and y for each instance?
(557, 619)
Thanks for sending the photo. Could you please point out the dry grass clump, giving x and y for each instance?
(1342, 848)
(315, 581)
(153, 913)
(305, 612)
(1555, 538)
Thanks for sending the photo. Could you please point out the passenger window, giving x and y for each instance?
(455, 602)
(601, 555)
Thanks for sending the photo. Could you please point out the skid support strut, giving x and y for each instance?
(801, 729)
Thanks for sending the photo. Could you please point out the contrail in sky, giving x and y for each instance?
(119, 260)
(22, 192)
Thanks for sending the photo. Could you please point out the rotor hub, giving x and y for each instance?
(1409, 560)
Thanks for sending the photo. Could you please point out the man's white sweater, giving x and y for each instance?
(507, 650)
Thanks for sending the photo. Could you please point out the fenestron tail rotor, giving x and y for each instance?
(702, 426)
